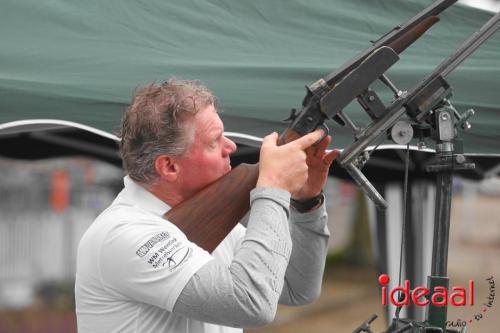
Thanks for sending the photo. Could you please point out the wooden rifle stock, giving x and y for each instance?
(210, 215)
(399, 45)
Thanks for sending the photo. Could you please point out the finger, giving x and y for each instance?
(270, 140)
(331, 156)
(311, 154)
(321, 147)
(308, 139)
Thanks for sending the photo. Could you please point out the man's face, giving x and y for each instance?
(207, 158)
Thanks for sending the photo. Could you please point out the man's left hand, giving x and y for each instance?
(318, 162)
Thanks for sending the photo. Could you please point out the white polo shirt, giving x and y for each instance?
(132, 265)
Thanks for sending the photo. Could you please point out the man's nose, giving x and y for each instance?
(230, 146)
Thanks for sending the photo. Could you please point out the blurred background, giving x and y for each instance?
(46, 206)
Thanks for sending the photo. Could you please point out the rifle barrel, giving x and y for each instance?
(395, 34)
(457, 57)
(471, 44)
(398, 108)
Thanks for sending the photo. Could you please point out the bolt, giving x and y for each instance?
(371, 98)
(466, 125)
(444, 116)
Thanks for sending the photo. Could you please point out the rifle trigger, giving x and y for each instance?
(326, 131)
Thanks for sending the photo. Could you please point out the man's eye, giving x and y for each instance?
(216, 142)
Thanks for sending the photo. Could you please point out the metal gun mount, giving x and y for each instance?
(411, 113)
(425, 111)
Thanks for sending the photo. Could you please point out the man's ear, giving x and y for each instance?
(167, 167)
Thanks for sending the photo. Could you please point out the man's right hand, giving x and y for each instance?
(285, 166)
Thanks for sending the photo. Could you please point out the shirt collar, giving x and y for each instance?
(136, 195)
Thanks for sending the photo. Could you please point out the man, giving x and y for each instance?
(137, 272)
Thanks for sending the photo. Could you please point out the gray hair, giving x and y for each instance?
(156, 123)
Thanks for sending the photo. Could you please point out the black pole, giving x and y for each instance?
(437, 314)
(444, 182)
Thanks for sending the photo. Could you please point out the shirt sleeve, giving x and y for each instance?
(148, 262)
(245, 293)
(304, 274)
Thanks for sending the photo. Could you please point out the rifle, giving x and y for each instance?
(211, 214)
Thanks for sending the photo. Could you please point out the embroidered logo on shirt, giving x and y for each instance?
(164, 250)
(178, 257)
(144, 249)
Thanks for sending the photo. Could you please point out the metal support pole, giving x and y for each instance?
(443, 165)
(444, 182)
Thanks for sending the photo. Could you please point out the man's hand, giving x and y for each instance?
(318, 162)
(286, 166)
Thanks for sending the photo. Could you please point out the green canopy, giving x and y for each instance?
(80, 61)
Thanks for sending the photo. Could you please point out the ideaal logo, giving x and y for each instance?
(459, 296)
(422, 296)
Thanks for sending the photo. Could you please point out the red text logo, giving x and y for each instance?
(422, 296)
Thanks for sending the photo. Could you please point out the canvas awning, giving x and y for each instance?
(78, 62)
